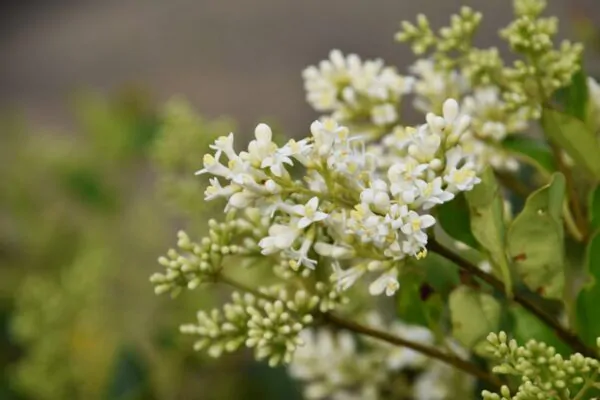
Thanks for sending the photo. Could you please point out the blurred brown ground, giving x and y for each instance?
(241, 58)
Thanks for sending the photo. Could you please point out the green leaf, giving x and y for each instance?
(411, 307)
(588, 321)
(532, 151)
(441, 274)
(527, 326)
(535, 240)
(486, 208)
(594, 208)
(129, 379)
(474, 315)
(454, 218)
(418, 308)
(575, 137)
(577, 96)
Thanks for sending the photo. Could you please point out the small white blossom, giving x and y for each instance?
(281, 237)
(384, 114)
(414, 225)
(387, 282)
(309, 213)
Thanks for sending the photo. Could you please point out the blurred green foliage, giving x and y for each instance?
(81, 217)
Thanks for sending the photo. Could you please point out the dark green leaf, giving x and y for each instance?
(533, 151)
(594, 208)
(574, 137)
(418, 304)
(411, 307)
(440, 273)
(526, 326)
(576, 96)
(129, 379)
(588, 301)
(454, 218)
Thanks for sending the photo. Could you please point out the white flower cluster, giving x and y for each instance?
(356, 91)
(492, 120)
(366, 97)
(352, 206)
(333, 365)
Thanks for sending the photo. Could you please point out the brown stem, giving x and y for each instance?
(342, 323)
(564, 334)
(432, 352)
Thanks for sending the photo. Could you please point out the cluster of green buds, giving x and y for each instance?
(545, 373)
(543, 67)
(200, 262)
(270, 324)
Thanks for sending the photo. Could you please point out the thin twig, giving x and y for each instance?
(431, 352)
(564, 334)
(342, 323)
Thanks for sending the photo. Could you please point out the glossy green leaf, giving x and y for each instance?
(576, 96)
(588, 301)
(527, 326)
(575, 137)
(474, 315)
(454, 218)
(486, 208)
(411, 307)
(535, 240)
(533, 151)
(441, 274)
(594, 208)
(418, 306)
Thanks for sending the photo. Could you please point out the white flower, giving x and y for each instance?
(345, 278)
(325, 134)
(431, 193)
(414, 225)
(281, 237)
(214, 167)
(432, 86)
(300, 256)
(462, 179)
(224, 144)
(260, 148)
(388, 282)
(275, 162)
(215, 190)
(395, 216)
(309, 213)
(333, 251)
(376, 194)
(425, 144)
(384, 114)
(241, 200)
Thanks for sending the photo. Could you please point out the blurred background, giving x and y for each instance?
(97, 160)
